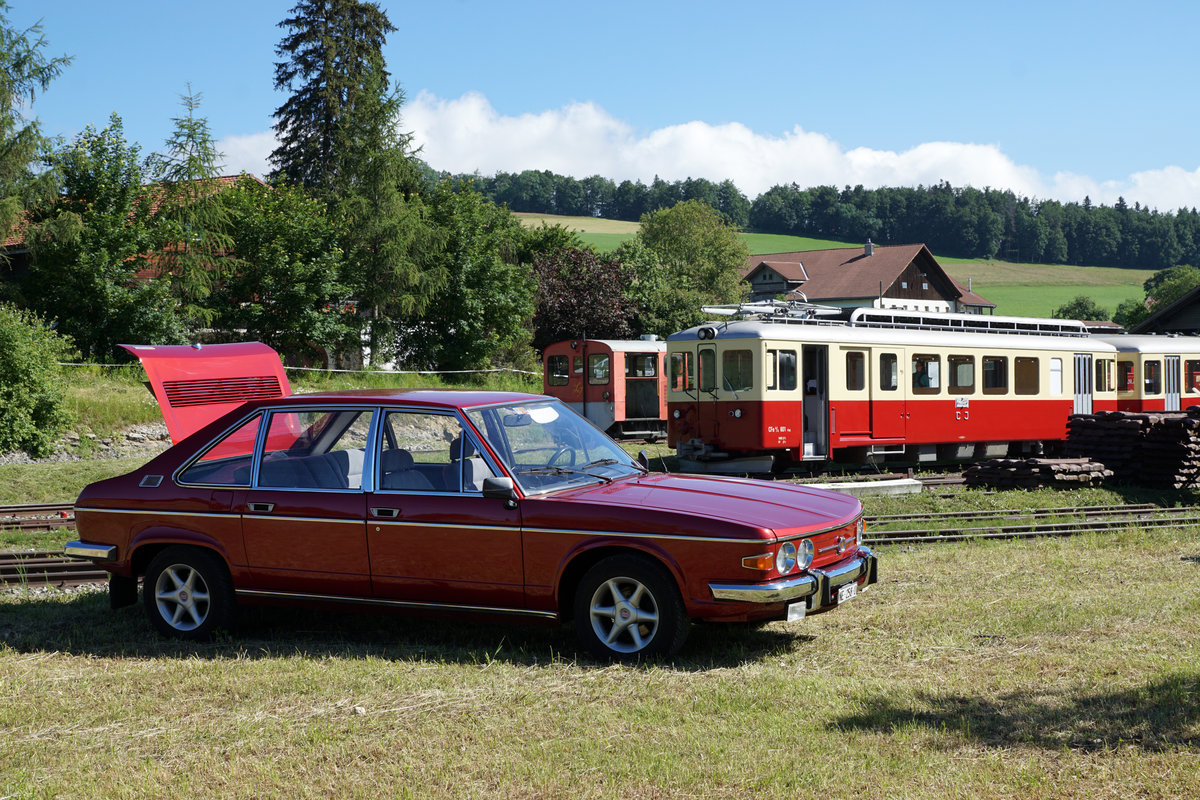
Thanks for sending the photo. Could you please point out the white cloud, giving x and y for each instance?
(467, 135)
(247, 153)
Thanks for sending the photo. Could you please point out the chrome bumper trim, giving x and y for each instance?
(94, 552)
(818, 585)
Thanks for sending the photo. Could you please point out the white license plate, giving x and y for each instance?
(847, 592)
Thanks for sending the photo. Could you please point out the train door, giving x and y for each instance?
(1084, 389)
(887, 395)
(642, 398)
(707, 418)
(1171, 383)
(815, 367)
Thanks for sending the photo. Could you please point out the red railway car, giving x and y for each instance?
(779, 385)
(1156, 373)
(618, 384)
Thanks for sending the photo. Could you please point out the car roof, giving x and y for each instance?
(433, 398)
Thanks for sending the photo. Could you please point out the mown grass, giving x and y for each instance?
(1047, 669)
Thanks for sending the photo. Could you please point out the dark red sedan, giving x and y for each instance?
(478, 503)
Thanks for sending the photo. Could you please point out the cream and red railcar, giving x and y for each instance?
(1156, 372)
(778, 385)
(617, 384)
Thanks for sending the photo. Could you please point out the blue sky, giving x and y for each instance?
(1051, 99)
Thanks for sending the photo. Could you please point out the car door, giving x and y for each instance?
(303, 519)
(433, 537)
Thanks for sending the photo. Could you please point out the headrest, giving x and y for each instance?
(395, 460)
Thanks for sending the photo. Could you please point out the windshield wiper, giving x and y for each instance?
(563, 471)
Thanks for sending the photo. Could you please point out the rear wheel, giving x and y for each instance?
(188, 593)
(627, 608)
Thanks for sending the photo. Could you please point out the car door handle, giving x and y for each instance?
(389, 513)
(263, 507)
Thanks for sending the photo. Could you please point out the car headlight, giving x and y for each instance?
(785, 559)
(806, 553)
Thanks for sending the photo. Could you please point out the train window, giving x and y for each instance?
(556, 370)
(926, 374)
(1192, 377)
(889, 372)
(1126, 376)
(641, 366)
(1153, 377)
(598, 369)
(1025, 375)
(1056, 378)
(962, 374)
(737, 369)
(683, 379)
(856, 370)
(995, 375)
(1104, 375)
(708, 370)
(782, 367)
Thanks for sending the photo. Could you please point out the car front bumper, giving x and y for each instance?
(819, 587)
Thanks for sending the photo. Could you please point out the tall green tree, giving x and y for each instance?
(191, 220)
(90, 273)
(285, 288)
(1081, 307)
(701, 256)
(340, 139)
(25, 70)
(481, 318)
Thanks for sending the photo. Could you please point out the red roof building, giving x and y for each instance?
(895, 276)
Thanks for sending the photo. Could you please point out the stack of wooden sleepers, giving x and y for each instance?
(1036, 473)
(1156, 449)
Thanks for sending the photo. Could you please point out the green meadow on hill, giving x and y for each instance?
(1032, 290)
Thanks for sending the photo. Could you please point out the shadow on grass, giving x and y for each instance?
(1161, 715)
(84, 624)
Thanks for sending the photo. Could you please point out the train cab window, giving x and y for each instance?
(598, 367)
(995, 375)
(889, 372)
(962, 374)
(1025, 375)
(556, 370)
(577, 365)
(708, 370)
(683, 378)
(926, 374)
(641, 365)
(856, 371)
(1126, 376)
(737, 369)
(781, 368)
(1153, 371)
(1104, 375)
(1191, 374)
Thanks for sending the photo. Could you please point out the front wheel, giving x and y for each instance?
(188, 593)
(627, 608)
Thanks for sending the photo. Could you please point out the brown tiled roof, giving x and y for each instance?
(970, 298)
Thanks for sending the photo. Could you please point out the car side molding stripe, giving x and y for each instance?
(383, 602)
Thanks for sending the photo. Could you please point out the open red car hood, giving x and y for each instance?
(195, 384)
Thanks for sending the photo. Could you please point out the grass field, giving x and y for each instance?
(1045, 669)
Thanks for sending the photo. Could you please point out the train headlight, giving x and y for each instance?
(736, 413)
(676, 414)
(785, 559)
(806, 553)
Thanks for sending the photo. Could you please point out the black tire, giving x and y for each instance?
(188, 593)
(627, 608)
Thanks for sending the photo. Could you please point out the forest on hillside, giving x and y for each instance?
(954, 221)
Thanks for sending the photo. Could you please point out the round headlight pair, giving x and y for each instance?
(789, 556)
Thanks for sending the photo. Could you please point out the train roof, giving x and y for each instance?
(620, 345)
(1153, 343)
(835, 332)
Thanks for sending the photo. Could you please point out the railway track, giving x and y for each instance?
(51, 568)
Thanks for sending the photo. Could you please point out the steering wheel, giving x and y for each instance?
(559, 453)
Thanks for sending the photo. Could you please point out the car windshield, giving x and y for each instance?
(546, 446)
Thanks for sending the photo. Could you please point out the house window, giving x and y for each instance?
(925, 285)
(903, 284)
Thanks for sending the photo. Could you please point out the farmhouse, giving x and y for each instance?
(1181, 316)
(896, 276)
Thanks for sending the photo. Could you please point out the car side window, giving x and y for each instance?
(424, 452)
(227, 461)
(315, 449)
